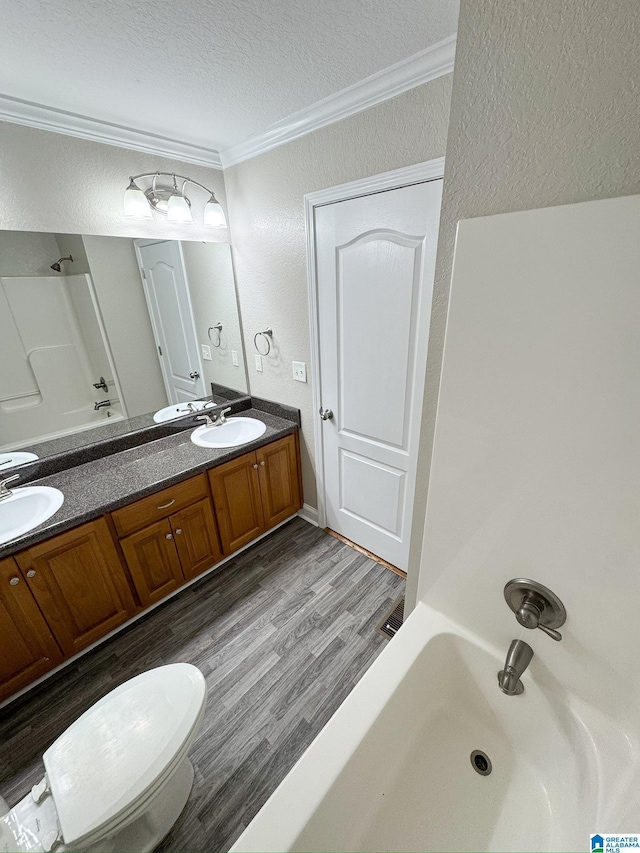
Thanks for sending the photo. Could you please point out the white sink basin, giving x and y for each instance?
(27, 507)
(234, 432)
(16, 457)
(178, 410)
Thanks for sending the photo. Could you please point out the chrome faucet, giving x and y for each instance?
(101, 405)
(4, 491)
(518, 659)
(217, 419)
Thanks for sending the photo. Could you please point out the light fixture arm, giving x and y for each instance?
(156, 175)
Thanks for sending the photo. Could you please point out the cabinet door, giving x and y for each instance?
(79, 583)
(153, 562)
(236, 496)
(279, 484)
(196, 538)
(28, 647)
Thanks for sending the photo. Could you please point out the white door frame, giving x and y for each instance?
(430, 170)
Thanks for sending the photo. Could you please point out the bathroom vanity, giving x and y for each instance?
(135, 527)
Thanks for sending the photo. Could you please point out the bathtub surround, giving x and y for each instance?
(543, 112)
(281, 634)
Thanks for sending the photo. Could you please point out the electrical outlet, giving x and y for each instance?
(206, 352)
(299, 371)
(259, 363)
(234, 357)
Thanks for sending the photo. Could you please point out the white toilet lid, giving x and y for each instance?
(121, 747)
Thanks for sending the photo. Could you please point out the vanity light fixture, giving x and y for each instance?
(167, 199)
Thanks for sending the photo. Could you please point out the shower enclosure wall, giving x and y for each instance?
(53, 348)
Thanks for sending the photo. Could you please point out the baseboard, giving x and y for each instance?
(309, 513)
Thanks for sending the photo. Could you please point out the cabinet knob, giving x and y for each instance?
(169, 536)
(178, 531)
(31, 573)
(256, 466)
(14, 581)
(262, 463)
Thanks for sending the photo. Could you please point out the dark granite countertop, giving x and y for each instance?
(96, 487)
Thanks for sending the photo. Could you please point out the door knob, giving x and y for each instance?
(194, 374)
(14, 581)
(325, 414)
(255, 465)
(31, 573)
(178, 531)
(169, 536)
(263, 463)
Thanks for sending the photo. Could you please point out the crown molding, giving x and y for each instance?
(17, 111)
(435, 61)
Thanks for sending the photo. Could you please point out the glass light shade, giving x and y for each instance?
(135, 203)
(214, 214)
(178, 210)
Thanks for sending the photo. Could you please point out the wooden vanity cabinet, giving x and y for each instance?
(61, 595)
(255, 492)
(181, 544)
(79, 583)
(28, 647)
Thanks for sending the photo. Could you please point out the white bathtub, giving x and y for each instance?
(391, 771)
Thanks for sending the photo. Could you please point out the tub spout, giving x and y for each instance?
(518, 659)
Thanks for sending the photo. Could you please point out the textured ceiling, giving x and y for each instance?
(203, 71)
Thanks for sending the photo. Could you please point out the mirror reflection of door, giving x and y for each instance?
(167, 294)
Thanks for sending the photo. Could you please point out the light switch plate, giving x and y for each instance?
(234, 357)
(206, 352)
(299, 371)
(259, 363)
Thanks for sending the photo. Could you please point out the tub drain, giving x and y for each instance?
(480, 762)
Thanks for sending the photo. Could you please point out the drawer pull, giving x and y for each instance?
(166, 506)
(14, 581)
(31, 573)
(169, 536)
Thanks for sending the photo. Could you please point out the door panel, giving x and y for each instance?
(279, 485)
(169, 303)
(236, 495)
(369, 299)
(28, 647)
(375, 259)
(196, 538)
(79, 582)
(153, 562)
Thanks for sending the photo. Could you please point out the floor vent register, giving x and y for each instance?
(392, 622)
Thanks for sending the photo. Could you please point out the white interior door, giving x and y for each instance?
(167, 295)
(375, 259)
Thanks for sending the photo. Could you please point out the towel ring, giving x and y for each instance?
(267, 335)
(218, 329)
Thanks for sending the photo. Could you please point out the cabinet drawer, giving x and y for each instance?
(160, 505)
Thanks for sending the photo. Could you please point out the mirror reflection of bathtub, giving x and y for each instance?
(54, 348)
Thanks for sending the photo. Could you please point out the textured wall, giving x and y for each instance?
(51, 182)
(26, 253)
(213, 299)
(268, 232)
(544, 111)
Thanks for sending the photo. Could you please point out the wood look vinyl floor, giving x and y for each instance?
(282, 634)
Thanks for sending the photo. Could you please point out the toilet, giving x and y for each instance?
(117, 779)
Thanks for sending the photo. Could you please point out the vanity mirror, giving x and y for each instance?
(103, 330)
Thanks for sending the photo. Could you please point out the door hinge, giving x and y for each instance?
(160, 350)
(144, 275)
